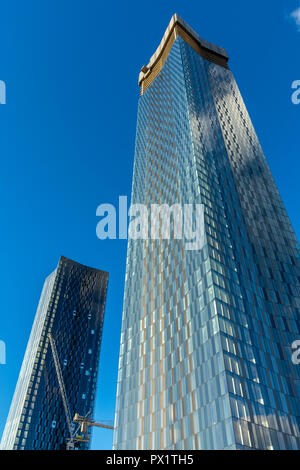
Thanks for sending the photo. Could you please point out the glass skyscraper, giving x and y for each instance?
(71, 310)
(205, 355)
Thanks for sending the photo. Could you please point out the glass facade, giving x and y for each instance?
(71, 309)
(205, 355)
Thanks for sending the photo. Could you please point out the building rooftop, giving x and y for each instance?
(178, 27)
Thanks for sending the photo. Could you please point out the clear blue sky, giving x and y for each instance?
(67, 138)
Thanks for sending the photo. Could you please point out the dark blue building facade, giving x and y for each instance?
(71, 310)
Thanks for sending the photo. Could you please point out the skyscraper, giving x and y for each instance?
(205, 355)
(71, 310)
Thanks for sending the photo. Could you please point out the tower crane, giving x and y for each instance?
(84, 422)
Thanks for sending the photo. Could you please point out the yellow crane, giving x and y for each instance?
(84, 421)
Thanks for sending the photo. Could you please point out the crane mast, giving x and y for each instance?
(84, 421)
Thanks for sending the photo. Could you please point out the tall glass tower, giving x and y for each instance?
(205, 356)
(71, 310)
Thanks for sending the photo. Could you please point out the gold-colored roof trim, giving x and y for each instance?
(178, 27)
